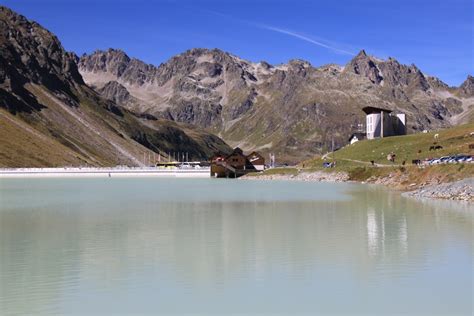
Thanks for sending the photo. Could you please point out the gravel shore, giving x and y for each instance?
(318, 176)
(460, 190)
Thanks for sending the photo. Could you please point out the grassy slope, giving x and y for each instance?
(355, 159)
(60, 135)
(407, 148)
(454, 141)
(26, 146)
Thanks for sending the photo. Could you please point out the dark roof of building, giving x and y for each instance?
(218, 154)
(238, 151)
(359, 135)
(253, 153)
(253, 156)
(372, 109)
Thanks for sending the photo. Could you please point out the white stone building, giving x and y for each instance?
(384, 123)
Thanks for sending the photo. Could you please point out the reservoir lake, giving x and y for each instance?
(241, 247)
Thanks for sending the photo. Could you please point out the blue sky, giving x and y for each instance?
(437, 36)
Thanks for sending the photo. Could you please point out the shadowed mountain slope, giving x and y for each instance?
(50, 117)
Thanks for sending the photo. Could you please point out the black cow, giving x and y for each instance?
(436, 147)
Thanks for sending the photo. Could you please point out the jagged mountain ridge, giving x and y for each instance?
(294, 109)
(50, 117)
(467, 87)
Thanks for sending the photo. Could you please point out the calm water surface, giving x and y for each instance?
(182, 246)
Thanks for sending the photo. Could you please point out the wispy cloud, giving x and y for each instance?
(303, 38)
(287, 32)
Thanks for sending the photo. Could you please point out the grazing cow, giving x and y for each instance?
(436, 147)
(416, 161)
(436, 136)
(391, 157)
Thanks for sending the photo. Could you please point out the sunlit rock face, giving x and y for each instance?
(294, 109)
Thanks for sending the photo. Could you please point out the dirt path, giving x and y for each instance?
(326, 156)
(375, 164)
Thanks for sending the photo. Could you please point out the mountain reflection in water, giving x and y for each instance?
(212, 246)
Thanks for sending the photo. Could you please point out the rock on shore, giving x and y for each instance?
(460, 190)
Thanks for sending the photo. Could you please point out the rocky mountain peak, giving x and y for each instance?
(31, 54)
(265, 65)
(199, 51)
(436, 83)
(361, 54)
(364, 65)
(200, 55)
(398, 75)
(117, 65)
(39, 54)
(467, 87)
(299, 63)
(389, 73)
(112, 60)
(116, 92)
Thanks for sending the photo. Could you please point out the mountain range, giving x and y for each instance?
(107, 108)
(294, 109)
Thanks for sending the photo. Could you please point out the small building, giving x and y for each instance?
(237, 159)
(355, 137)
(217, 164)
(236, 164)
(255, 161)
(384, 123)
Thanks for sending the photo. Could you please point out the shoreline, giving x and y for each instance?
(461, 190)
(103, 172)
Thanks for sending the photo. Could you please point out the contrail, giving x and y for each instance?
(282, 31)
(302, 37)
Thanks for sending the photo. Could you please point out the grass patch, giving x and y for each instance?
(407, 148)
(410, 147)
(355, 159)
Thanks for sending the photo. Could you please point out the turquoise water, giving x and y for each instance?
(206, 246)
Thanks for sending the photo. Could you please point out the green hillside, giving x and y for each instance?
(407, 148)
(355, 159)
